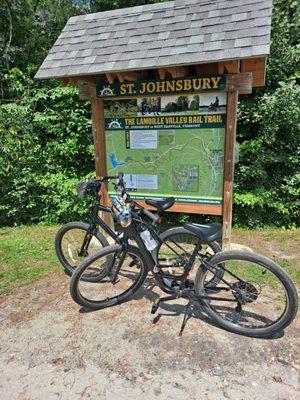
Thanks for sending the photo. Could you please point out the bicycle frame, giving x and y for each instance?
(132, 233)
(96, 220)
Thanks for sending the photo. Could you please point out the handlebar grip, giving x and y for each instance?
(155, 218)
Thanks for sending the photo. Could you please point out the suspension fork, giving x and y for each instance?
(130, 233)
(87, 240)
(91, 230)
(116, 268)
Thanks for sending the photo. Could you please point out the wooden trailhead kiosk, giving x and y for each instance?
(163, 81)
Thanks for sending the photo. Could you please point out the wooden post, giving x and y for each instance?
(98, 124)
(232, 99)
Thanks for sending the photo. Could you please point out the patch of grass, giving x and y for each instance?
(290, 267)
(26, 255)
(252, 273)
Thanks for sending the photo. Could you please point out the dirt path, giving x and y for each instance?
(49, 350)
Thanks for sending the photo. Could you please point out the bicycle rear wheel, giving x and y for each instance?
(255, 297)
(127, 273)
(173, 253)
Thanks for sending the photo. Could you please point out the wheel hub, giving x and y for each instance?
(245, 291)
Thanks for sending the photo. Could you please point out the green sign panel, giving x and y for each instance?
(169, 122)
(169, 145)
(161, 87)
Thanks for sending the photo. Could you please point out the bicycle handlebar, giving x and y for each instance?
(93, 186)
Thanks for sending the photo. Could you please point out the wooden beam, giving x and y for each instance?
(110, 78)
(162, 73)
(73, 81)
(120, 76)
(177, 72)
(229, 67)
(231, 121)
(84, 92)
(88, 79)
(64, 81)
(98, 124)
(241, 83)
(128, 76)
(132, 76)
(211, 68)
(189, 208)
(87, 91)
(258, 68)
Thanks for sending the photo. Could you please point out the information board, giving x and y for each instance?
(169, 145)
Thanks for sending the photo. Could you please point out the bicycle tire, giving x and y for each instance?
(108, 302)
(68, 268)
(291, 293)
(173, 232)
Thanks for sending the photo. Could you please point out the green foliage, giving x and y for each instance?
(267, 180)
(46, 148)
(103, 5)
(267, 177)
(45, 130)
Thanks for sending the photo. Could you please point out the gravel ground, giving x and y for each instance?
(49, 350)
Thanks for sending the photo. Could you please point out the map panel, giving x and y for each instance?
(169, 146)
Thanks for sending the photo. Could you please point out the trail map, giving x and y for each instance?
(169, 146)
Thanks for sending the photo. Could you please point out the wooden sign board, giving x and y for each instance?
(217, 113)
(168, 137)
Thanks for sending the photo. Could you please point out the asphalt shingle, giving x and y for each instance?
(179, 32)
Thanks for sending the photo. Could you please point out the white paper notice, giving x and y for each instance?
(141, 181)
(143, 139)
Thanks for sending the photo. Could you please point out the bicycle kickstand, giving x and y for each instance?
(188, 313)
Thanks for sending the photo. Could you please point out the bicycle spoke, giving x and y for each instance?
(248, 294)
(122, 276)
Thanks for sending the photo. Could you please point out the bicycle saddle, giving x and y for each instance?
(207, 233)
(161, 205)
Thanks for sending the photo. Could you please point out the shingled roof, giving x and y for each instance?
(160, 35)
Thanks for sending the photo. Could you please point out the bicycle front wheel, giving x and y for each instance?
(254, 297)
(127, 272)
(73, 243)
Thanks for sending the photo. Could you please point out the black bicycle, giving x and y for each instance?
(243, 292)
(77, 240)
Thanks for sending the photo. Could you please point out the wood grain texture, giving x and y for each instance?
(98, 125)
(232, 99)
(189, 208)
(258, 68)
(241, 83)
(229, 67)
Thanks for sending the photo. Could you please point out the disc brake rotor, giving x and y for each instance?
(245, 291)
